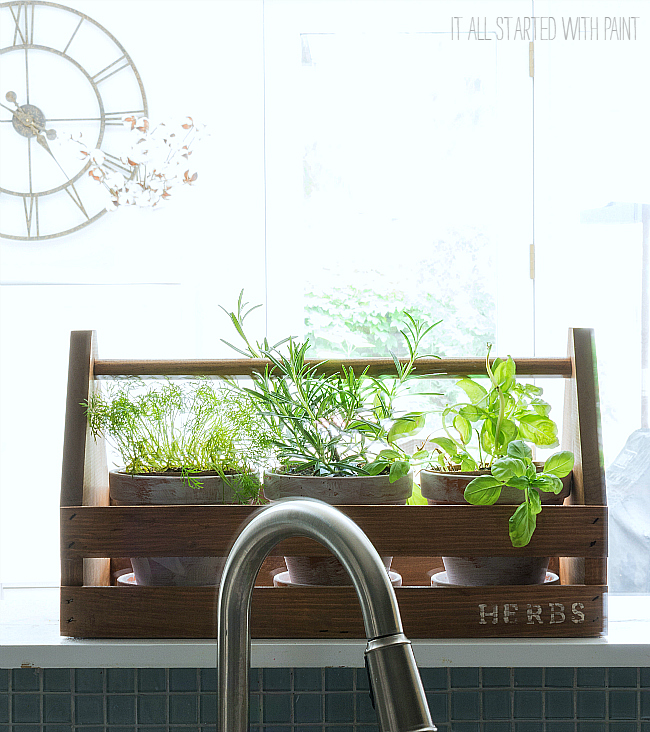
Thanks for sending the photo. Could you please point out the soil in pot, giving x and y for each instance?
(448, 489)
(171, 489)
(354, 490)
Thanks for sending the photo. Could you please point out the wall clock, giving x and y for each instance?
(61, 73)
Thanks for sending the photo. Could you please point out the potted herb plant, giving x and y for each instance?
(180, 443)
(336, 435)
(484, 459)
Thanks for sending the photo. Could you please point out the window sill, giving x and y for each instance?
(29, 637)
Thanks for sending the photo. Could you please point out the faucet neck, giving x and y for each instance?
(267, 527)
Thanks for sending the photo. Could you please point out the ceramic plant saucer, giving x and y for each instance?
(440, 580)
(282, 580)
(127, 580)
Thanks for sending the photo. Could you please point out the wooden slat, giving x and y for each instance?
(582, 433)
(80, 367)
(406, 530)
(572, 570)
(417, 571)
(376, 366)
(595, 570)
(84, 476)
(189, 612)
(74, 438)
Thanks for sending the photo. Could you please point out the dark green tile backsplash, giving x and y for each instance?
(324, 700)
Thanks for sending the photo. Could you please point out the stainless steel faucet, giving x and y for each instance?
(396, 688)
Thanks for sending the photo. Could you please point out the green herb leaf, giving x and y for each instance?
(467, 463)
(520, 483)
(539, 430)
(377, 467)
(416, 499)
(398, 365)
(535, 501)
(389, 454)
(483, 491)
(507, 433)
(471, 412)
(541, 407)
(560, 464)
(520, 450)
(547, 482)
(477, 394)
(398, 470)
(449, 446)
(464, 428)
(508, 467)
(504, 374)
(521, 525)
(406, 425)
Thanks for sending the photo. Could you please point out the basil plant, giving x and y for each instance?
(480, 429)
(517, 470)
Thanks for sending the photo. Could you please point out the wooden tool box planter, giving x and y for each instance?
(93, 532)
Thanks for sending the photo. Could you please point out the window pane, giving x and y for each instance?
(592, 157)
(591, 150)
(399, 179)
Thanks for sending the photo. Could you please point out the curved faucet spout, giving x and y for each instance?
(397, 691)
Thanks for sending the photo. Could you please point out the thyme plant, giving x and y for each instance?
(333, 424)
(187, 427)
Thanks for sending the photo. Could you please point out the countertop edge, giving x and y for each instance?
(29, 637)
(79, 653)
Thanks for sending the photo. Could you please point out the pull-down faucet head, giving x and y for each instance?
(396, 688)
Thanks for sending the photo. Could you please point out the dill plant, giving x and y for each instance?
(190, 427)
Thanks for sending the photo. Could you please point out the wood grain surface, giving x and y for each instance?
(84, 474)
(581, 432)
(415, 535)
(394, 530)
(333, 612)
(439, 367)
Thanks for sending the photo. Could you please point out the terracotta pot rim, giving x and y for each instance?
(457, 473)
(473, 473)
(330, 477)
(174, 474)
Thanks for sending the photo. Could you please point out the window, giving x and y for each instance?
(355, 152)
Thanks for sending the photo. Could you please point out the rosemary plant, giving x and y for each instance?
(339, 424)
(188, 427)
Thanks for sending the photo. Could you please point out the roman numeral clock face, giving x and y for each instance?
(61, 74)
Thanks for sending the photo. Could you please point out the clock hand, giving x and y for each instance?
(40, 138)
(24, 117)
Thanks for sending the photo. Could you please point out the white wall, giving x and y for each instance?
(162, 273)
